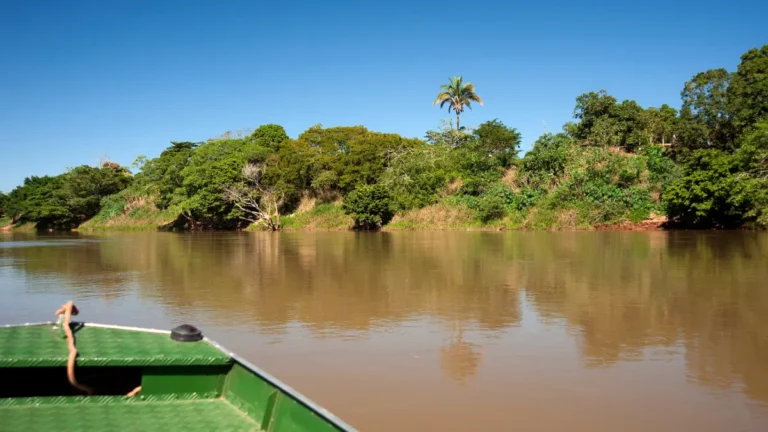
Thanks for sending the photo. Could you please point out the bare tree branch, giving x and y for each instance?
(257, 201)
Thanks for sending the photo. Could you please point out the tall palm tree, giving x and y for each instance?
(457, 95)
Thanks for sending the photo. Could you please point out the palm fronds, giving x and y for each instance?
(457, 95)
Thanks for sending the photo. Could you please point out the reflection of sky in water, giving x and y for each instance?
(32, 296)
(43, 243)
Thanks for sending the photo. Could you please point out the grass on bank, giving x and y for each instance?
(442, 215)
(323, 216)
(7, 225)
(451, 216)
(126, 211)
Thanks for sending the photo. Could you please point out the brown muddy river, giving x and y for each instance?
(449, 331)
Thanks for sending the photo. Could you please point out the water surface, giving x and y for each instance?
(577, 331)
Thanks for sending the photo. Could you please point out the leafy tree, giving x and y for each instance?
(3, 204)
(415, 176)
(689, 134)
(603, 122)
(213, 167)
(457, 95)
(723, 111)
(590, 107)
(346, 157)
(331, 141)
(476, 156)
(606, 132)
(547, 160)
(370, 206)
(474, 164)
(39, 200)
(629, 118)
(660, 124)
(269, 136)
(704, 99)
(164, 173)
(66, 200)
(711, 192)
(477, 171)
(296, 164)
(747, 93)
(84, 187)
(753, 152)
(366, 158)
(325, 183)
(499, 141)
(753, 156)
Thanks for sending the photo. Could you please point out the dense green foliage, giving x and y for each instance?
(747, 94)
(705, 165)
(164, 173)
(269, 136)
(712, 192)
(369, 206)
(585, 186)
(212, 168)
(3, 204)
(66, 200)
(723, 155)
(416, 176)
(497, 140)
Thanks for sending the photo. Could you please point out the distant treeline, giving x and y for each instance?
(704, 166)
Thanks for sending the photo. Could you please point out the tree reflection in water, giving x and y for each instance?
(460, 359)
(702, 294)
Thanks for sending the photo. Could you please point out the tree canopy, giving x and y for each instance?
(66, 200)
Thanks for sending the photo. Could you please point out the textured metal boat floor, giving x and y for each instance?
(167, 416)
(41, 346)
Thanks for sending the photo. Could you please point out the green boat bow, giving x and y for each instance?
(184, 386)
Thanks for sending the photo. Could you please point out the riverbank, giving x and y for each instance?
(443, 216)
(7, 226)
(446, 217)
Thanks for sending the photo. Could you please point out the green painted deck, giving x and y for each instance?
(185, 386)
(118, 414)
(42, 346)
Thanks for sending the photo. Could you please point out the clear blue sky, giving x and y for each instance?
(80, 81)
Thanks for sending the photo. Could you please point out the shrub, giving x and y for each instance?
(712, 192)
(547, 160)
(416, 176)
(491, 207)
(495, 139)
(661, 168)
(370, 206)
(526, 198)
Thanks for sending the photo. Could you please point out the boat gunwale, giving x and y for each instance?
(322, 412)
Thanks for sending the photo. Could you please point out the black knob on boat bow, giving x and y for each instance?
(186, 333)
